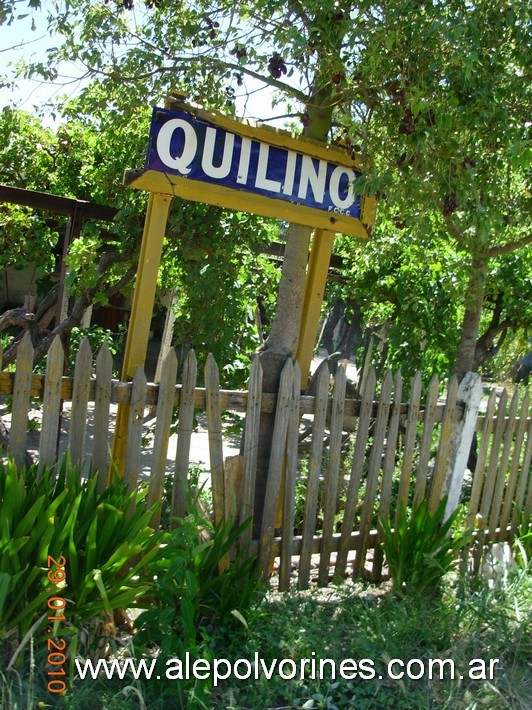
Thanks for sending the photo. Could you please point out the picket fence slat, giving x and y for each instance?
(491, 475)
(289, 495)
(514, 466)
(251, 445)
(135, 421)
(275, 470)
(161, 438)
(524, 479)
(500, 482)
(356, 473)
(444, 447)
(313, 478)
(374, 466)
(184, 435)
(21, 401)
(102, 407)
(479, 474)
(489, 481)
(410, 440)
(431, 404)
(80, 402)
(387, 471)
(214, 427)
(51, 409)
(332, 473)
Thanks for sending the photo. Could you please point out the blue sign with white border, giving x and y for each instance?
(184, 145)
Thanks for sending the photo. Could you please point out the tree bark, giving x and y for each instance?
(283, 339)
(465, 355)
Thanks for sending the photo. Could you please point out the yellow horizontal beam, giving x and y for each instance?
(268, 134)
(167, 184)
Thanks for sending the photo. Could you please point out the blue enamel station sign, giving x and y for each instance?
(184, 145)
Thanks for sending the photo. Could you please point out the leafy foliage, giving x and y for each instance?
(420, 548)
(431, 99)
(196, 587)
(197, 591)
(105, 539)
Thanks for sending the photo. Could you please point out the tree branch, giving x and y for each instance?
(16, 317)
(511, 246)
(212, 62)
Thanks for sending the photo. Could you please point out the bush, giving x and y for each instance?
(196, 592)
(105, 540)
(421, 550)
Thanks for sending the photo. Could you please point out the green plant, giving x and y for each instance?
(197, 590)
(420, 550)
(523, 539)
(104, 538)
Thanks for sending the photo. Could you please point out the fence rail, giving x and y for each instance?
(362, 458)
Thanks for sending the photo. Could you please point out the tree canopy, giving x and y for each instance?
(434, 97)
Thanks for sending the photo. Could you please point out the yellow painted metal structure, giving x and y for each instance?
(162, 187)
(316, 279)
(141, 312)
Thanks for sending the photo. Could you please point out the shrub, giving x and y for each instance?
(421, 550)
(196, 591)
(105, 540)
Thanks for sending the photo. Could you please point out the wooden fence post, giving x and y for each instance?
(470, 394)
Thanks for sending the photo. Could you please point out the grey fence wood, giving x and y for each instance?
(51, 408)
(21, 401)
(186, 422)
(340, 510)
(102, 408)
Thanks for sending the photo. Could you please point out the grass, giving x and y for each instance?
(469, 621)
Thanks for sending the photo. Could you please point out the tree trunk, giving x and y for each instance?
(284, 336)
(465, 355)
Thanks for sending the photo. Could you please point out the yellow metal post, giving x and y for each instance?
(141, 311)
(320, 257)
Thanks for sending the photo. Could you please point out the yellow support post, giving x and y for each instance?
(141, 313)
(318, 266)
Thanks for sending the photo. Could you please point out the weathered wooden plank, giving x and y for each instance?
(478, 476)
(514, 465)
(184, 434)
(500, 483)
(387, 472)
(163, 423)
(214, 428)
(374, 467)
(251, 444)
(336, 541)
(528, 502)
(491, 475)
(356, 474)
(333, 470)
(290, 476)
(313, 478)
(231, 400)
(51, 409)
(444, 446)
(275, 469)
(426, 440)
(21, 401)
(134, 440)
(524, 481)
(409, 443)
(102, 405)
(80, 400)
(470, 394)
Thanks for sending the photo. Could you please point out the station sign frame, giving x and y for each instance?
(204, 156)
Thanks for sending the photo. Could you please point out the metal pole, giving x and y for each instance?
(318, 266)
(141, 313)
